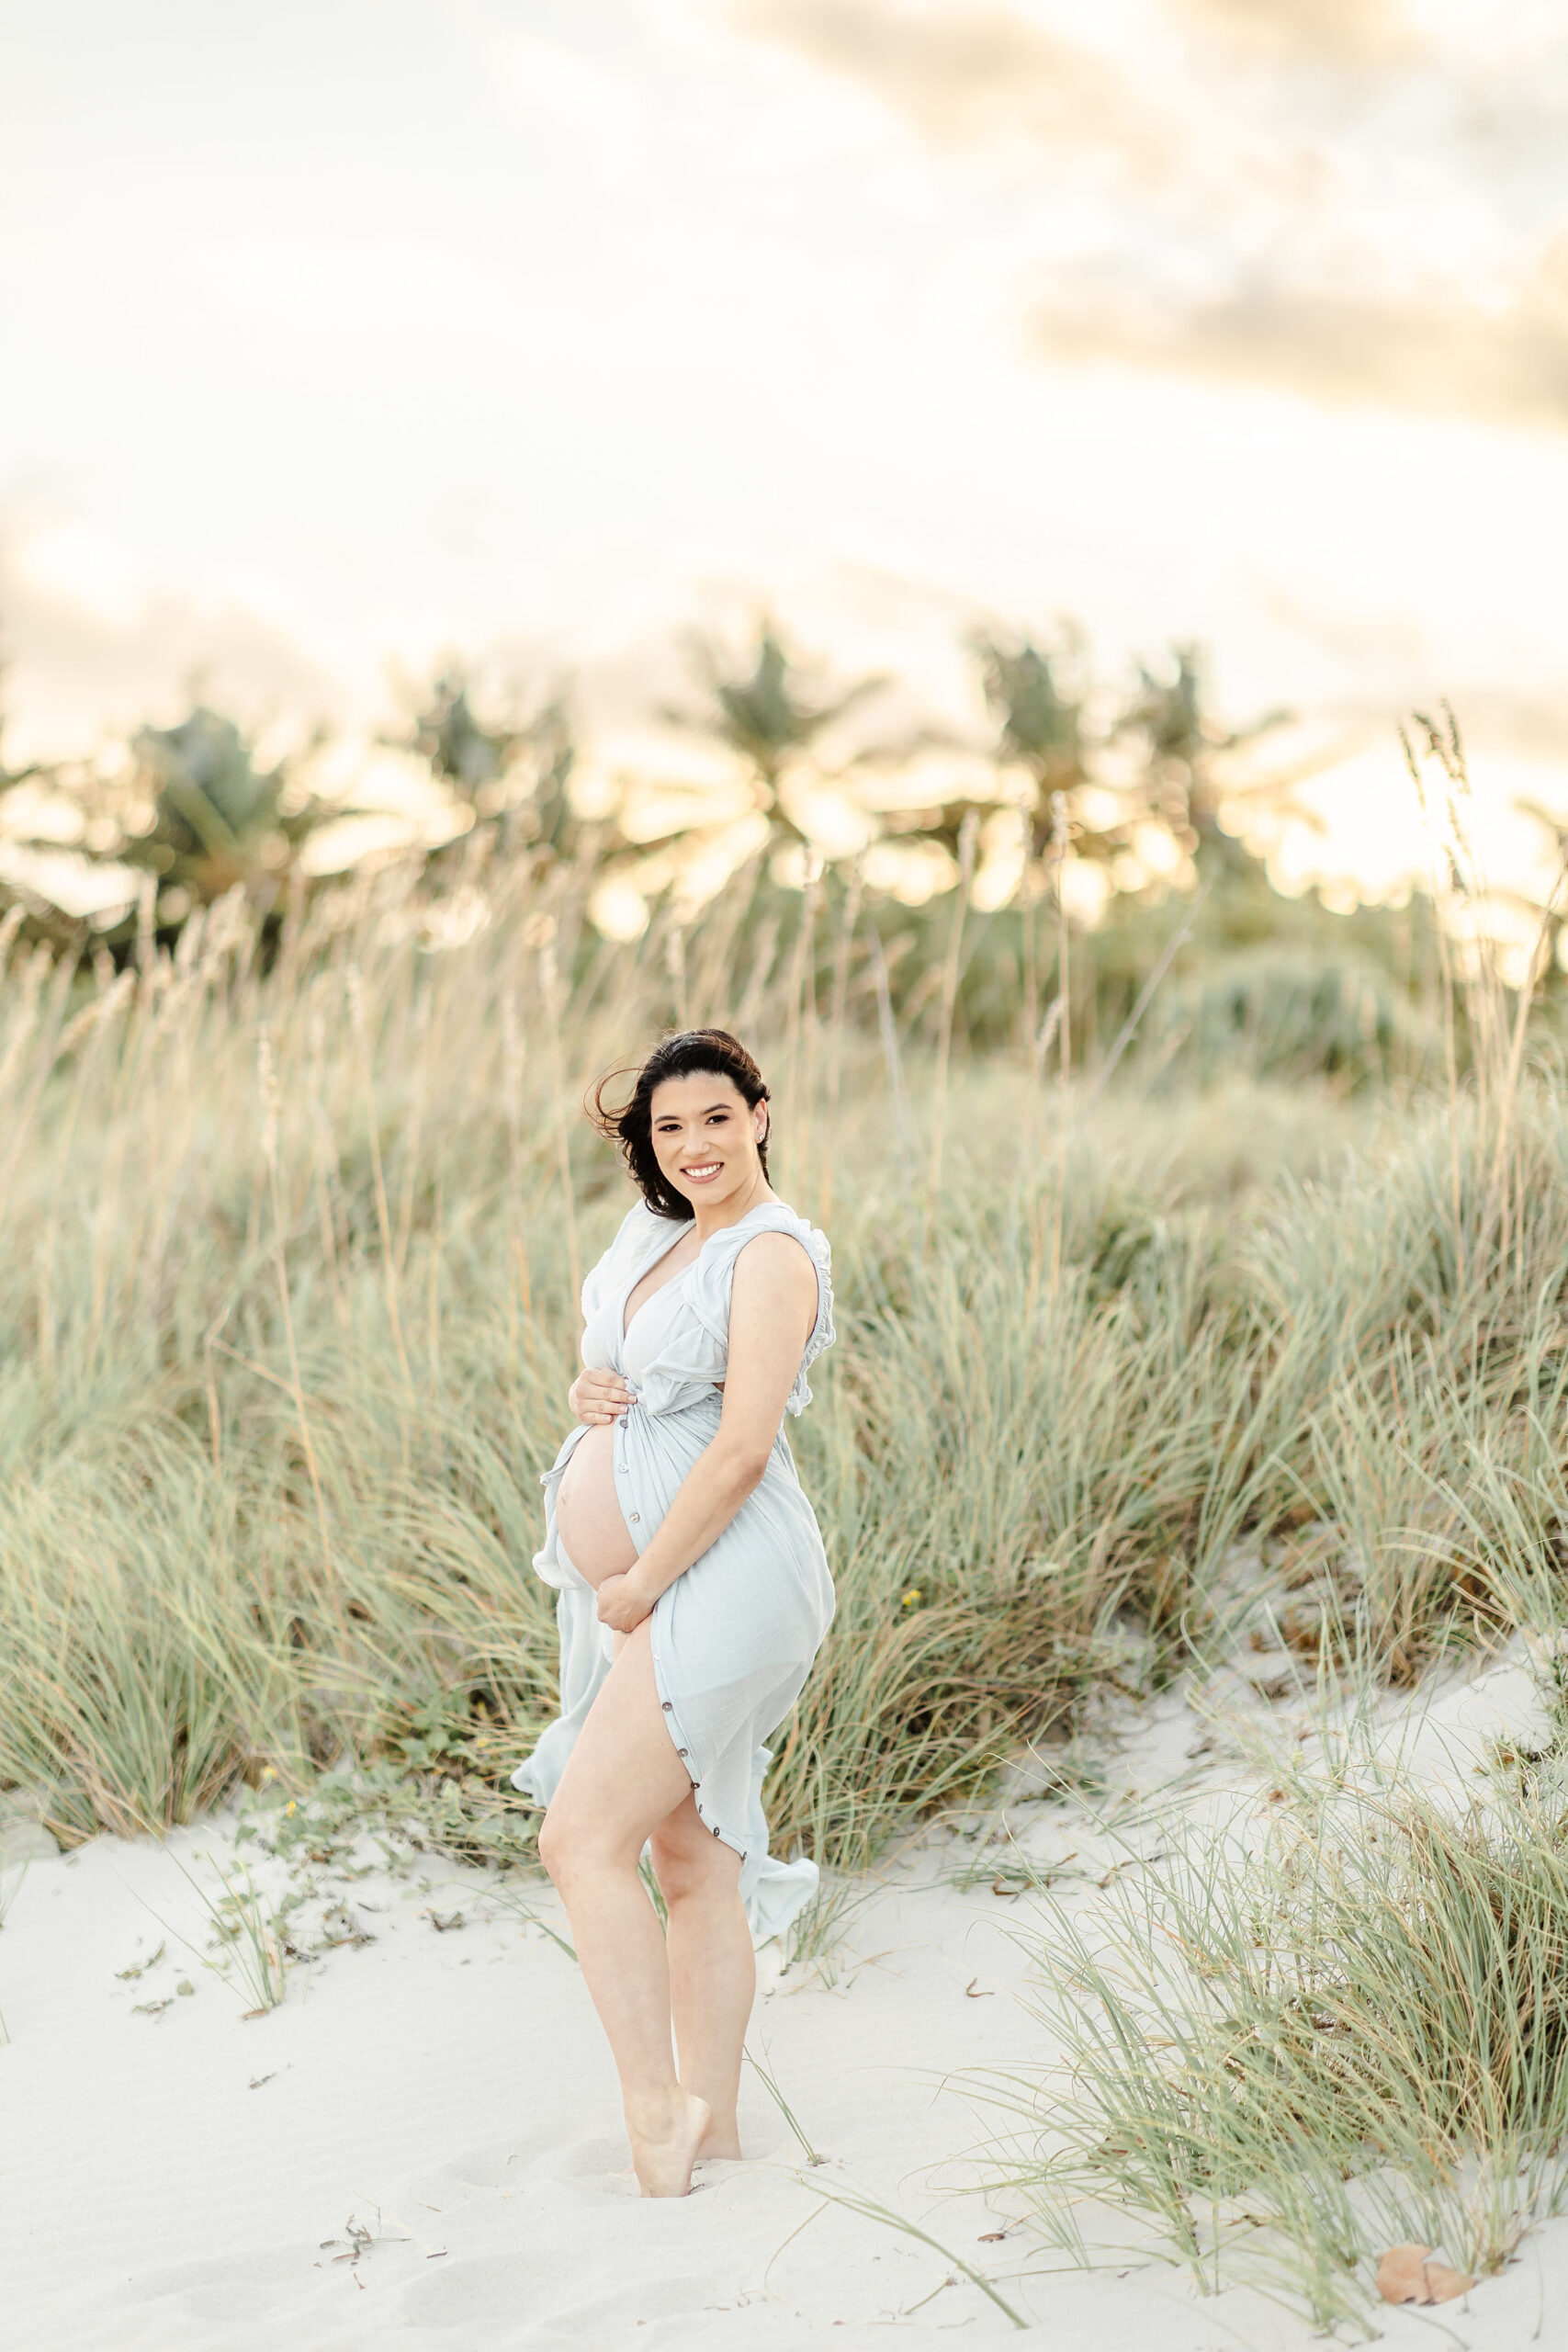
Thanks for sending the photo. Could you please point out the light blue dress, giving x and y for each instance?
(733, 1636)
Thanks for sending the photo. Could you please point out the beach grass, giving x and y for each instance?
(1299, 2045)
(290, 1233)
(291, 1229)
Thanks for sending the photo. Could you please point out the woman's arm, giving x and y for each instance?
(772, 1311)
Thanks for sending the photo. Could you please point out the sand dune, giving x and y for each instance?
(420, 2147)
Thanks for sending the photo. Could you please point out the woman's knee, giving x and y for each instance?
(693, 1864)
(554, 1845)
(565, 1848)
(571, 1846)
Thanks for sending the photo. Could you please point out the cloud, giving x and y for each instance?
(604, 114)
(1432, 351)
(94, 647)
(1325, 196)
(972, 73)
(1329, 32)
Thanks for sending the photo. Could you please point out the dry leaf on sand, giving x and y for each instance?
(1411, 2274)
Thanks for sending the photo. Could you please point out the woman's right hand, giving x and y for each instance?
(597, 1398)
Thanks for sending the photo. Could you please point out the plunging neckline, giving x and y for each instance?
(658, 1292)
(625, 1321)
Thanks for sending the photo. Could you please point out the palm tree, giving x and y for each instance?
(769, 718)
(464, 753)
(1046, 729)
(1041, 726)
(1180, 742)
(513, 777)
(1551, 912)
(36, 918)
(217, 818)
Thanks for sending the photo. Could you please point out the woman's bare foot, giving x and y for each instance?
(662, 2157)
(720, 2139)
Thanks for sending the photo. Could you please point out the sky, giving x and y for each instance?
(341, 333)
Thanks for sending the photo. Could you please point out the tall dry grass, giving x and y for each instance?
(287, 1264)
(1290, 2048)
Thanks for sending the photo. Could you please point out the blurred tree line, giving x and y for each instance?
(1122, 821)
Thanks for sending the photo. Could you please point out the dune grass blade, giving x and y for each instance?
(249, 1932)
(1280, 2062)
(816, 1939)
(769, 2081)
(507, 1899)
(870, 2209)
(10, 1887)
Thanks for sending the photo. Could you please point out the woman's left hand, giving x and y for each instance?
(622, 1606)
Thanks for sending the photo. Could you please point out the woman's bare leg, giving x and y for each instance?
(623, 1778)
(713, 1970)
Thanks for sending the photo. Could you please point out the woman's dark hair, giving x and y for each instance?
(716, 1054)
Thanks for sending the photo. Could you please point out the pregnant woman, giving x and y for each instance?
(693, 1593)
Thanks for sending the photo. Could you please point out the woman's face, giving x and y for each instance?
(705, 1136)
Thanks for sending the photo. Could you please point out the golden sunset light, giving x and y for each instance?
(784, 1174)
(346, 336)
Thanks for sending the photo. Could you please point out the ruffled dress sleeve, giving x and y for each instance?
(712, 1284)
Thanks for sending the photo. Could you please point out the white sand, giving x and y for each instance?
(167, 2180)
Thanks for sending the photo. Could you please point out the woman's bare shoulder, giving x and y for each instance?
(776, 1262)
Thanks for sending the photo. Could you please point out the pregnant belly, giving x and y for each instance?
(588, 1510)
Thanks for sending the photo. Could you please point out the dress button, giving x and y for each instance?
(716, 1829)
(679, 1751)
(669, 1706)
(636, 1516)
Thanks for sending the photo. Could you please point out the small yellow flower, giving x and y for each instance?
(288, 1808)
(912, 1596)
(269, 1772)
